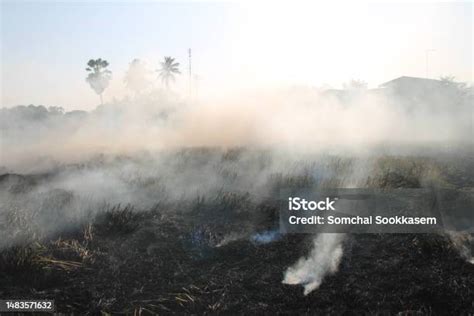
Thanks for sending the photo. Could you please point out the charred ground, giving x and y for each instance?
(202, 256)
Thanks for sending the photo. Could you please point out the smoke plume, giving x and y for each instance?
(323, 259)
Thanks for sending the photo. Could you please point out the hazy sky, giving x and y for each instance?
(45, 45)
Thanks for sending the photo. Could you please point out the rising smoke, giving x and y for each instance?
(322, 260)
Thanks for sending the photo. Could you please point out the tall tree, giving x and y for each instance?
(99, 76)
(168, 70)
(136, 78)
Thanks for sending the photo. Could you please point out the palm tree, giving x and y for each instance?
(136, 78)
(99, 77)
(167, 71)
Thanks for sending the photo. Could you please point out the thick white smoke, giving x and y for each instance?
(322, 260)
(302, 119)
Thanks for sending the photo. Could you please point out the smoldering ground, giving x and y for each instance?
(219, 162)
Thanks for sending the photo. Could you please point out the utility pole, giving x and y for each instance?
(427, 52)
(190, 74)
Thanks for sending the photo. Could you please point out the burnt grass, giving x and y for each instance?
(151, 264)
(172, 259)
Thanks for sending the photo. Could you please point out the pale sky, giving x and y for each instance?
(236, 45)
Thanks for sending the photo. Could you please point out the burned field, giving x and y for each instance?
(218, 249)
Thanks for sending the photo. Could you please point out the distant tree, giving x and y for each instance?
(56, 109)
(456, 92)
(136, 78)
(450, 83)
(99, 77)
(168, 69)
(447, 81)
(355, 85)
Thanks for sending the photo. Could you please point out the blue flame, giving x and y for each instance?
(266, 237)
